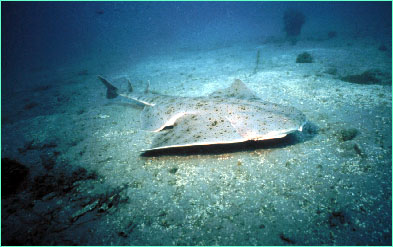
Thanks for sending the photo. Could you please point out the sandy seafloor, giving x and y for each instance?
(90, 184)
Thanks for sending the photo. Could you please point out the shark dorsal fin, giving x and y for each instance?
(129, 86)
(237, 90)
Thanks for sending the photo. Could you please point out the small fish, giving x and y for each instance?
(230, 115)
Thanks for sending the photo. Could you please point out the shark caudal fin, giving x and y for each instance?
(111, 91)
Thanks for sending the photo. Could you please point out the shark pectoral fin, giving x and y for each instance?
(190, 130)
(155, 118)
(270, 125)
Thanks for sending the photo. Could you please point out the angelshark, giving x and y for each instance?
(230, 115)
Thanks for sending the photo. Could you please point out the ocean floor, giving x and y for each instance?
(75, 173)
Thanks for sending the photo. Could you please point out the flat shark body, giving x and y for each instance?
(231, 115)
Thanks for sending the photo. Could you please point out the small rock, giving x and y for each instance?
(13, 175)
(331, 71)
(348, 134)
(304, 57)
(173, 170)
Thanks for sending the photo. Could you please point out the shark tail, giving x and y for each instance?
(111, 91)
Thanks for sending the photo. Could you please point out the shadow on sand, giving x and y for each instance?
(309, 132)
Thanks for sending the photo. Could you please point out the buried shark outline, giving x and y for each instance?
(230, 115)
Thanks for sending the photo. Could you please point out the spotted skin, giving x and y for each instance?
(231, 115)
(200, 129)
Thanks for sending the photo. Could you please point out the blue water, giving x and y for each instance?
(90, 185)
(54, 34)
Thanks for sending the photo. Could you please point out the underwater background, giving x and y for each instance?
(73, 170)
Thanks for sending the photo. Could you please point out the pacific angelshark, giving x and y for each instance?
(230, 115)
